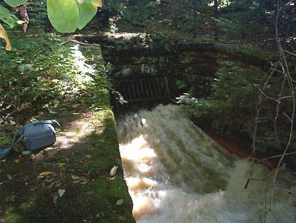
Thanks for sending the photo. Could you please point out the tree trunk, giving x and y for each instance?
(195, 23)
(216, 16)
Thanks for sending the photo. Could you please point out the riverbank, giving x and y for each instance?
(69, 181)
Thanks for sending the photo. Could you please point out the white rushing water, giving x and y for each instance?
(177, 174)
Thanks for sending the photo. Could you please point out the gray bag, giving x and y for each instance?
(36, 136)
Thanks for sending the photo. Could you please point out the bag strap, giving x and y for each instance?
(19, 135)
(49, 122)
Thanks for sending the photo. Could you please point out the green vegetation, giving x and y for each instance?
(66, 16)
(43, 72)
(232, 100)
(224, 58)
(231, 106)
(45, 77)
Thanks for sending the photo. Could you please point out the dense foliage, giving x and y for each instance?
(231, 96)
(230, 20)
(42, 73)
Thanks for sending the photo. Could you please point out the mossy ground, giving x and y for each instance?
(79, 163)
(69, 181)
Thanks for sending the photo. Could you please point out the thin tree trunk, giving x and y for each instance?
(195, 23)
(216, 16)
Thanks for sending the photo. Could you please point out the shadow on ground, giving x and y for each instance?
(70, 181)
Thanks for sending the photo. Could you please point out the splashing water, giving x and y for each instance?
(177, 174)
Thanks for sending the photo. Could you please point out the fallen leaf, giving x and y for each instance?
(43, 174)
(74, 177)
(9, 177)
(8, 106)
(75, 105)
(88, 156)
(113, 171)
(17, 161)
(119, 202)
(84, 182)
(61, 192)
(11, 122)
(112, 178)
(26, 152)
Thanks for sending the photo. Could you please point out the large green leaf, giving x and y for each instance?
(63, 15)
(15, 3)
(86, 12)
(7, 17)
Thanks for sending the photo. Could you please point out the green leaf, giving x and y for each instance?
(63, 15)
(7, 17)
(86, 12)
(15, 3)
(120, 202)
(26, 152)
(61, 192)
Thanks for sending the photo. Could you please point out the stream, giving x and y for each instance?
(177, 174)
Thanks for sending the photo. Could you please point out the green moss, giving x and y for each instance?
(80, 163)
(11, 216)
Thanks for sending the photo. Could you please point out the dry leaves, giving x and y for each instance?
(88, 156)
(43, 174)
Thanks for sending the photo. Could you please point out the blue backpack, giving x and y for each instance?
(36, 136)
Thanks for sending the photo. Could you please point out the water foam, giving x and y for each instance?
(176, 173)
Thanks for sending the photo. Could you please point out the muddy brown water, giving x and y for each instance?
(176, 173)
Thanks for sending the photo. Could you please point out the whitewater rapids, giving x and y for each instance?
(177, 174)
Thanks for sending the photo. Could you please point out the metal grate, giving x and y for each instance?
(140, 90)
